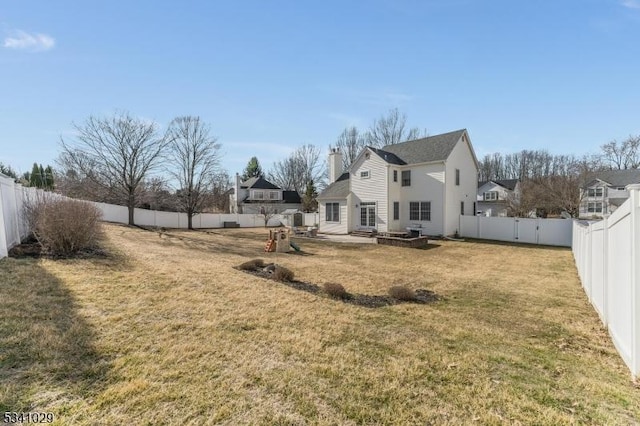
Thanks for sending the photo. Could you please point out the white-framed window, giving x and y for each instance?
(457, 177)
(396, 210)
(594, 207)
(273, 195)
(395, 175)
(332, 212)
(420, 210)
(258, 195)
(595, 192)
(490, 196)
(365, 174)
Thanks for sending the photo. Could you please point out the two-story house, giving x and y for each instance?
(494, 196)
(257, 194)
(605, 191)
(426, 183)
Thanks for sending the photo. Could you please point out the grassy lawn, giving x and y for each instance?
(165, 331)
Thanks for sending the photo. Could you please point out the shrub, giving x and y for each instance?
(402, 292)
(61, 225)
(280, 273)
(251, 265)
(335, 290)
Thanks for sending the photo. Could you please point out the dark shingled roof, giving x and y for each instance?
(258, 183)
(432, 148)
(338, 189)
(291, 197)
(509, 184)
(617, 177)
(387, 156)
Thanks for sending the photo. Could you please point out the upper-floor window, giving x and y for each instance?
(258, 195)
(490, 195)
(458, 177)
(273, 195)
(595, 192)
(395, 175)
(365, 174)
(406, 178)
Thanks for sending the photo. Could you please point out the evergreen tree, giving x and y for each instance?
(42, 177)
(309, 203)
(48, 178)
(253, 169)
(7, 170)
(36, 178)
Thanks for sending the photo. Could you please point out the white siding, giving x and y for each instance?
(341, 227)
(371, 189)
(460, 158)
(426, 185)
(492, 187)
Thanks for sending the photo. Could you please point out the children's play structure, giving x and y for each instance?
(280, 241)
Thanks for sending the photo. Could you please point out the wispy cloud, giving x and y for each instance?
(33, 42)
(631, 4)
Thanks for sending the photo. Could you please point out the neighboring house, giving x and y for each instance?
(495, 195)
(605, 192)
(426, 183)
(257, 194)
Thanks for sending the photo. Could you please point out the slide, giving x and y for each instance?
(294, 246)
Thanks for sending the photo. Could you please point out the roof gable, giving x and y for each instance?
(617, 177)
(258, 183)
(425, 150)
(509, 184)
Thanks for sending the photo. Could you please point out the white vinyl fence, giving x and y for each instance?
(13, 228)
(551, 232)
(607, 255)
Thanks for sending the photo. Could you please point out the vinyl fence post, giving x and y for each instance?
(605, 271)
(4, 251)
(634, 196)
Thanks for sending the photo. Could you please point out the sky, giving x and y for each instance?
(269, 76)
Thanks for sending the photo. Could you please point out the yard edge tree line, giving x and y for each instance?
(125, 160)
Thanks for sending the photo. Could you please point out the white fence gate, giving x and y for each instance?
(552, 232)
(607, 255)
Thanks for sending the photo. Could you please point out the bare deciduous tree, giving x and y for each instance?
(350, 143)
(294, 172)
(390, 130)
(220, 191)
(193, 156)
(625, 155)
(266, 212)
(115, 153)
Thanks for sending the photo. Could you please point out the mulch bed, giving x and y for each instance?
(31, 248)
(368, 301)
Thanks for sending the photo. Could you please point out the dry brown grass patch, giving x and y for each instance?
(178, 336)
